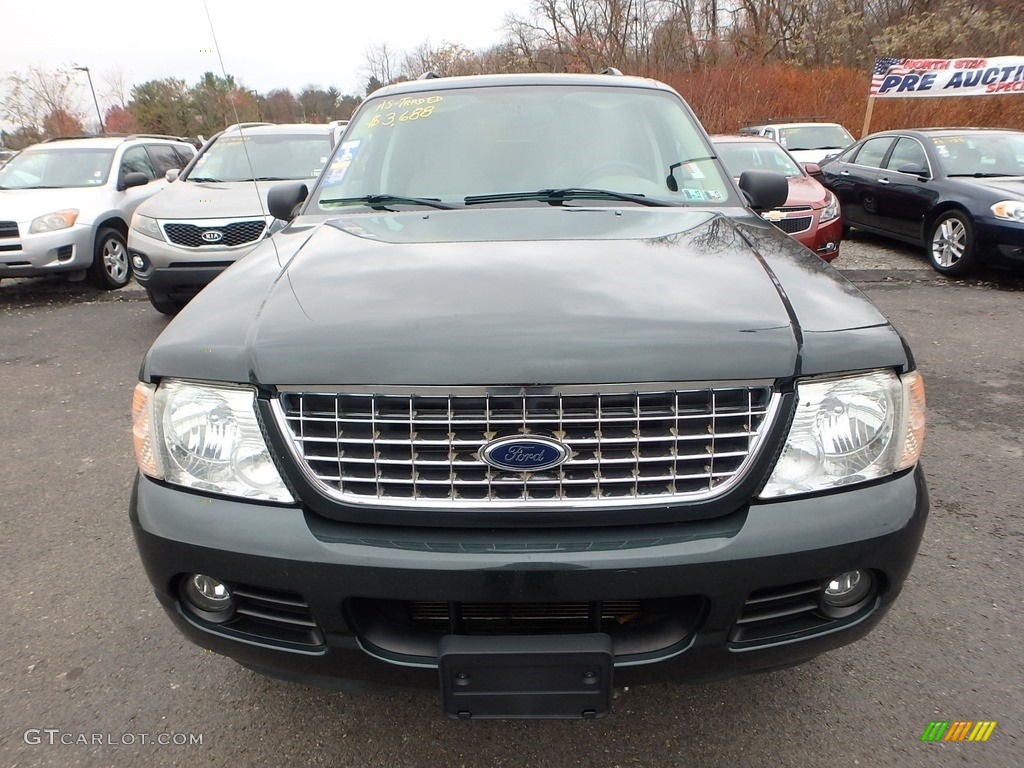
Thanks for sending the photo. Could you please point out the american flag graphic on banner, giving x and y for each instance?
(887, 65)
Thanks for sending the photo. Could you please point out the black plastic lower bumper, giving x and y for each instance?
(347, 606)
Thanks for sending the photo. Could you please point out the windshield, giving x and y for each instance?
(815, 137)
(761, 156)
(985, 154)
(263, 156)
(56, 168)
(470, 142)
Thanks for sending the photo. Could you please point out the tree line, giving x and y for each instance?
(734, 60)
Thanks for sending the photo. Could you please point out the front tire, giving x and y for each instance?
(951, 248)
(111, 267)
(164, 304)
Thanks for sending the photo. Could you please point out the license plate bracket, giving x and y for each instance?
(526, 676)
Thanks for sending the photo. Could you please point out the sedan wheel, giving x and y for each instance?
(951, 245)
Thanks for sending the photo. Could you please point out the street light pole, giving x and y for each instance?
(99, 115)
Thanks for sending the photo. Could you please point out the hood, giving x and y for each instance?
(803, 190)
(23, 205)
(185, 199)
(460, 298)
(1011, 187)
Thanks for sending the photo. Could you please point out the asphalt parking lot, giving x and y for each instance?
(92, 672)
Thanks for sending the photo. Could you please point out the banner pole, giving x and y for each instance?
(867, 116)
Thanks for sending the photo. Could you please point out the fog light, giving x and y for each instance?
(138, 262)
(846, 589)
(208, 597)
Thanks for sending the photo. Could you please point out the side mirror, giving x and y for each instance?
(133, 179)
(284, 199)
(764, 189)
(813, 169)
(914, 169)
(172, 174)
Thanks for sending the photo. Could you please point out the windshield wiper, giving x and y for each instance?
(273, 178)
(380, 202)
(557, 196)
(979, 175)
(202, 179)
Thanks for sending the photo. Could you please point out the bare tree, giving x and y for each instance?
(37, 94)
(382, 63)
(116, 88)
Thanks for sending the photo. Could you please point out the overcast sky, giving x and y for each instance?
(302, 42)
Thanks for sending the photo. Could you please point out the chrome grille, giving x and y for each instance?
(8, 229)
(624, 447)
(233, 233)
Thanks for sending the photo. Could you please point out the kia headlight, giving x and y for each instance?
(850, 430)
(831, 209)
(206, 437)
(51, 222)
(1012, 210)
(147, 226)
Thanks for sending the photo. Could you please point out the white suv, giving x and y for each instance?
(65, 204)
(809, 142)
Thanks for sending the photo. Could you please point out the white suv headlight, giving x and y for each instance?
(850, 430)
(51, 222)
(204, 436)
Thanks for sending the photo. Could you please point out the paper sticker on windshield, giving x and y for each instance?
(696, 195)
(346, 153)
(714, 195)
(694, 171)
(404, 110)
(942, 149)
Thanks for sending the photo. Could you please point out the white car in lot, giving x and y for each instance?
(808, 142)
(65, 204)
(214, 213)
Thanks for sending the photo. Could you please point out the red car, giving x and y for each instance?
(811, 213)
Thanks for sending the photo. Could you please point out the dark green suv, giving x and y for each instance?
(526, 399)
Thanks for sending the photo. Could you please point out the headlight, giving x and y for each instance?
(146, 226)
(50, 222)
(850, 430)
(1009, 209)
(204, 436)
(831, 209)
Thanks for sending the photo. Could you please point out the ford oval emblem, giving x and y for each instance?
(528, 453)
(212, 236)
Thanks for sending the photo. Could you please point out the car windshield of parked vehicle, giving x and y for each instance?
(263, 157)
(52, 167)
(815, 137)
(760, 156)
(981, 154)
(524, 146)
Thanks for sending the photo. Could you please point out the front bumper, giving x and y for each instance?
(64, 250)
(1001, 242)
(354, 582)
(823, 239)
(179, 271)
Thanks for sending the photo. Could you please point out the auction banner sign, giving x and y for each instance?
(902, 78)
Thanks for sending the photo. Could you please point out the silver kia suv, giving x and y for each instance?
(213, 213)
(65, 204)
